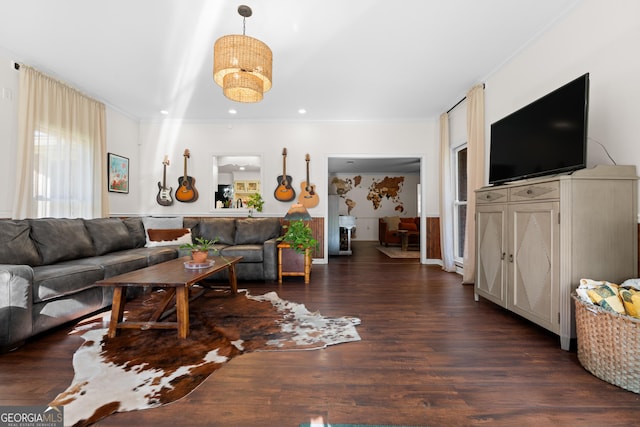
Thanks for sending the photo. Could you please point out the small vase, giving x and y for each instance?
(199, 256)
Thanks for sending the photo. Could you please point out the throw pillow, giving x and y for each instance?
(606, 296)
(157, 223)
(15, 245)
(392, 222)
(631, 300)
(170, 236)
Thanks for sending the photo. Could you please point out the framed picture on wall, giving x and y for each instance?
(118, 173)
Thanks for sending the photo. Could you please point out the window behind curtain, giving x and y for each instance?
(460, 201)
(62, 172)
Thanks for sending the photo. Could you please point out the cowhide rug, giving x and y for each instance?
(141, 369)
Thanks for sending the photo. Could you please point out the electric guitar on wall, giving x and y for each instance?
(284, 192)
(186, 192)
(164, 194)
(308, 196)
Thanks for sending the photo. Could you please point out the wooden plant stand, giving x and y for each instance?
(287, 257)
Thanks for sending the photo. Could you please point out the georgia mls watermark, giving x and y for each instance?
(31, 416)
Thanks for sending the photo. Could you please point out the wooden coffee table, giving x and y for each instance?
(172, 275)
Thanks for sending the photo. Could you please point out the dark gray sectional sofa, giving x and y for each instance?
(48, 266)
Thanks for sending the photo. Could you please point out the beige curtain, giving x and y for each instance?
(446, 196)
(475, 174)
(61, 161)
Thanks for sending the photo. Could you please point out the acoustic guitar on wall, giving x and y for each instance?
(164, 193)
(308, 196)
(186, 192)
(284, 192)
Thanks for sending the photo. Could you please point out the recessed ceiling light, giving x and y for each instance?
(164, 112)
(302, 111)
(232, 111)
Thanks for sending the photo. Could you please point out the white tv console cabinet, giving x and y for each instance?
(536, 239)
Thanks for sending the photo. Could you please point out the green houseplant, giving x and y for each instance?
(299, 236)
(255, 201)
(200, 249)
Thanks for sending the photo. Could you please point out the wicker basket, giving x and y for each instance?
(609, 345)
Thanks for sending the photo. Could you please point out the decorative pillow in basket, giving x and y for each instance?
(608, 332)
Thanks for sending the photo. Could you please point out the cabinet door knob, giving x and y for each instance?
(502, 257)
(510, 257)
(529, 191)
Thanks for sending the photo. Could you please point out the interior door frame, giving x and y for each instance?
(381, 157)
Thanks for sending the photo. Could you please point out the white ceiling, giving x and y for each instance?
(338, 59)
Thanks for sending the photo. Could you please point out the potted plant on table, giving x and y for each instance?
(299, 236)
(255, 201)
(200, 249)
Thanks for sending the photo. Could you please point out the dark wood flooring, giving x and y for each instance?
(429, 356)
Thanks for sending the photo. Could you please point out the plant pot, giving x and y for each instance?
(199, 256)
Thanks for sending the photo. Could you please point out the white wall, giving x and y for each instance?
(319, 139)
(9, 81)
(122, 139)
(598, 37)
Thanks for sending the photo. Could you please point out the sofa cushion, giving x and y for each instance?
(16, 247)
(250, 253)
(54, 281)
(108, 235)
(136, 231)
(224, 229)
(157, 223)
(256, 230)
(155, 255)
(114, 263)
(168, 237)
(59, 239)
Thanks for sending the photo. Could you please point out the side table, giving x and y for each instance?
(294, 267)
(404, 238)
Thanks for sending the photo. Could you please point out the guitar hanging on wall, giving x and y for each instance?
(284, 192)
(308, 196)
(186, 192)
(164, 194)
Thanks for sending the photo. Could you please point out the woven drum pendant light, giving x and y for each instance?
(242, 65)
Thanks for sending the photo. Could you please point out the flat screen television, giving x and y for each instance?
(548, 136)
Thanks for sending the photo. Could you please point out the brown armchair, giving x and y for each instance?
(388, 229)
